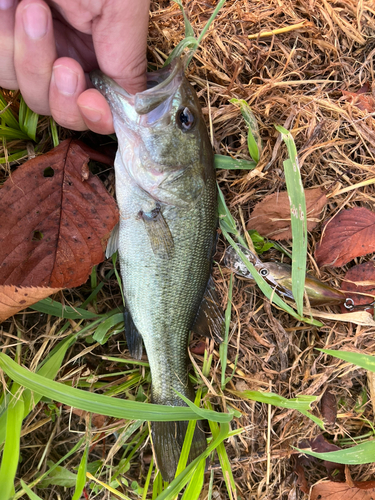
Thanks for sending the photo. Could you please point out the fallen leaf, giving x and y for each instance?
(328, 408)
(56, 219)
(332, 490)
(360, 279)
(198, 348)
(362, 318)
(14, 299)
(348, 235)
(360, 100)
(97, 421)
(301, 479)
(321, 445)
(271, 217)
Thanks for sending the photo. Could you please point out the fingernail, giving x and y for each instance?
(35, 21)
(6, 4)
(65, 80)
(93, 115)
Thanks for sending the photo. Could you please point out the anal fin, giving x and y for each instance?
(158, 232)
(209, 321)
(133, 337)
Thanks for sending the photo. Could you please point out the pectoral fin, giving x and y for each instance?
(112, 245)
(158, 232)
(209, 321)
(133, 337)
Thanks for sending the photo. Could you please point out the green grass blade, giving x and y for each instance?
(188, 439)
(227, 163)
(210, 485)
(104, 405)
(54, 132)
(54, 308)
(363, 360)
(223, 348)
(189, 32)
(102, 329)
(13, 156)
(265, 287)
(157, 487)
(177, 484)
(201, 411)
(195, 485)
(298, 218)
(11, 453)
(6, 115)
(360, 454)
(254, 141)
(148, 479)
(211, 20)
(224, 460)
(189, 42)
(30, 493)
(28, 120)
(48, 369)
(81, 475)
(226, 220)
(13, 134)
(301, 403)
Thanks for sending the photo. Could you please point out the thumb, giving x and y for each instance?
(120, 42)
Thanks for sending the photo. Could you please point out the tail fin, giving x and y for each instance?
(168, 438)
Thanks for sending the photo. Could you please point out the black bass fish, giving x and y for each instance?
(166, 193)
(279, 276)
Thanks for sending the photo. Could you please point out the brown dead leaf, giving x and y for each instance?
(348, 235)
(360, 100)
(360, 279)
(331, 490)
(271, 217)
(98, 421)
(301, 478)
(56, 219)
(321, 445)
(14, 299)
(328, 408)
(198, 348)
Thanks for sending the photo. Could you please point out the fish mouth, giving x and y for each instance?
(162, 84)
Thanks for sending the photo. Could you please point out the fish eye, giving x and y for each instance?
(185, 119)
(263, 272)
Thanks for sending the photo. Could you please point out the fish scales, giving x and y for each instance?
(164, 295)
(166, 192)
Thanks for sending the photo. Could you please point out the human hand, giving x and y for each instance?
(47, 49)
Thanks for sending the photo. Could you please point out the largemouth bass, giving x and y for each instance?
(166, 192)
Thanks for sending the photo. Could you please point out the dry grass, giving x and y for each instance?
(291, 77)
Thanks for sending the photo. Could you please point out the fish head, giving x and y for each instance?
(163, 141)
(234, 262)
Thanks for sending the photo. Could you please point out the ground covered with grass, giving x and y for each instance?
(290, 61)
